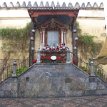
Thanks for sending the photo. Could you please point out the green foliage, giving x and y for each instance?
(15, 40)
(88, 49)
(21, 70)
(100, 72)
(87, 46)
(15, 34)
(86, 39)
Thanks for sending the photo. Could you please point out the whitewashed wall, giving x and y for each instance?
(14, 18)
(91, 21)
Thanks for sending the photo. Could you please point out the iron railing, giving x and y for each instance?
(99, 72)
(7, 70)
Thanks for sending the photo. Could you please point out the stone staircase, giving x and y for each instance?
(52, 80)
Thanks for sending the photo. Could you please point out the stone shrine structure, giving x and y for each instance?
(53, 42)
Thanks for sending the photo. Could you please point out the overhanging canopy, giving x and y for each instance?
(40, 15)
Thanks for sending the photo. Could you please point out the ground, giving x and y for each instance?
(86, 101)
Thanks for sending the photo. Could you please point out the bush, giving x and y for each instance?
(21, 70)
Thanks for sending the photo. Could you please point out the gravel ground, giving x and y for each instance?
(87, 101)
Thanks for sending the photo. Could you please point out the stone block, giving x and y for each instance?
(92, 79)
(1, 93)
(89, 92)
(101, 92)
(76, 93)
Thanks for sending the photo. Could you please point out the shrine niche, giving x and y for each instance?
(53, 47)
(52, 33)
(56, 33)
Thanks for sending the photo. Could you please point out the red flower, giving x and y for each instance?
(34, 61)
(48, 57)
(75, 62)
(59, 58)
(45, 57)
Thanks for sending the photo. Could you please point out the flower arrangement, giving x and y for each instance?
(34, 61)
(57, 48)
(59, 52)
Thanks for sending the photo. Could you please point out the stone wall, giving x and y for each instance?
(93, 22)
(52, 80)
(8, 88)
(14, 18)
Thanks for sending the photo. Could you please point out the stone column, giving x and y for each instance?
(92, 70)
(43, 36)
(41, 45)
(14, 69)
(68, 57)
(32, 46)
(62, 37)
(38, 56)
(92, 77)
(74, 44)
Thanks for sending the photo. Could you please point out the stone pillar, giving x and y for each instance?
(38, 56)
(43, 36)
(14, 69)
(62, 37)
(92, 69)
(68, 57)
(74, 44)
(32, 46)
(92, 77)
(41, 45)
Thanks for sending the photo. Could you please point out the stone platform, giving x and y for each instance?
(51, 81)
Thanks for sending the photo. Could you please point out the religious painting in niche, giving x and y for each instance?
(53, 38)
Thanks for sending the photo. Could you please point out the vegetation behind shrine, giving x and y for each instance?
(17, 41)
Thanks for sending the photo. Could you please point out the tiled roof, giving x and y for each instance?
(45, 5)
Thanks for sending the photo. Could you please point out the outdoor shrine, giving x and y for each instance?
(53, 47)
(53, 35)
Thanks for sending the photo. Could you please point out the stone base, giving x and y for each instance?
(52, 80)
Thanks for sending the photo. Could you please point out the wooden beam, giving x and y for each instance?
(36, 13)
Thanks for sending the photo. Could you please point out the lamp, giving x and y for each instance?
(31, 38)
(76, 38)
(74, 30)
(33, 30)
(32, 48)
(75, 47)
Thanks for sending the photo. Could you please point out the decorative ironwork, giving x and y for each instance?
(7, 71)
